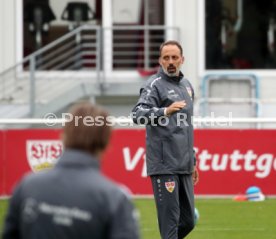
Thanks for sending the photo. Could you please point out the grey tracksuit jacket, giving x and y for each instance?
(169, 140)
(73, 200)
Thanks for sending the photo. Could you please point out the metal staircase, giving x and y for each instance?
(52, 76)
(73, 67)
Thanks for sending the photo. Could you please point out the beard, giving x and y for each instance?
(171, 70)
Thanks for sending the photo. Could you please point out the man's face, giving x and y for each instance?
(171, 60)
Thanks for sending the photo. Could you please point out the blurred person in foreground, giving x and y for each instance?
(73, 200)
(166, 107)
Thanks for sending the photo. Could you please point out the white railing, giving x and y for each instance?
(198, 122)
(82, 50)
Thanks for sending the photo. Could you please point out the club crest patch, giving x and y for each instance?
(189, 90)
(170, 186)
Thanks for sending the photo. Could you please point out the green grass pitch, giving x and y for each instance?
(219, 219)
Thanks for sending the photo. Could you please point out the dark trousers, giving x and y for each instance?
(174, 199)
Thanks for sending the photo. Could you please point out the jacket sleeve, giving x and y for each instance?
(125, 221)
(193, 98)
(11, 225)
(148, 110)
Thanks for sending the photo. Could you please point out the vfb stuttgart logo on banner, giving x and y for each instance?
(43, 154)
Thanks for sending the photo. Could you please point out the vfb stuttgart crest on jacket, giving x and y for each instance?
(43, 154)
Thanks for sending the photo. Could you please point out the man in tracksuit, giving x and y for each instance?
(166, 107)
(73, 200)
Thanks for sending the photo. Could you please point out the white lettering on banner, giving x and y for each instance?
(261, 164)
(235, 157)
(249, 157)
(265, 164)
(131, 163)
(222, 165)
(203, 157)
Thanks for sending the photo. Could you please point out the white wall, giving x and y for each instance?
(126, 11)
(185, 13)
(7, 33)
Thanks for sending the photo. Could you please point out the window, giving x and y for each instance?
(239, 34)
(48, 20)
(137, 48)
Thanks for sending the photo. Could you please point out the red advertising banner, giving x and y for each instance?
(27, 151)
(124, 161)
(229, 161)
(2, 168)
(232, 160)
